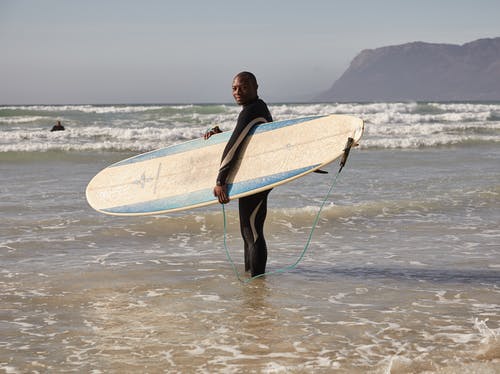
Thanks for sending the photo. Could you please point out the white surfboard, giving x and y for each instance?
(183, 176)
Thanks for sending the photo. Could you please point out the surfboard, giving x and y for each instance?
(182, 176)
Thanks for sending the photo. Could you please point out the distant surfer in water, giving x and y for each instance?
(253, 209)
(58, 127)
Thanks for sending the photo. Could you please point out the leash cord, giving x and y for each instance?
(302, 254)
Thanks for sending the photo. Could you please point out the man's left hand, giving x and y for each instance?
(213, 131)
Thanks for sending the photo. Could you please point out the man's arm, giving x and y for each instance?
(233, 147)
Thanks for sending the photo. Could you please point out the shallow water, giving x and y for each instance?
(402, 274)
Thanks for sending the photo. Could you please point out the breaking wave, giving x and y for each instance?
(140, 128)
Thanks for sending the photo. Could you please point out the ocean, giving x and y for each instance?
(402, 274)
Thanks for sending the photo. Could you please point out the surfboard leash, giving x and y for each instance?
(348, 146)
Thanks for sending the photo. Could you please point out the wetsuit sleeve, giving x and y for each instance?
(246, 120)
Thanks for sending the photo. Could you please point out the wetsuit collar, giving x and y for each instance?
(251, 102)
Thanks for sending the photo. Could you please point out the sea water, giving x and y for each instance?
(402, 274)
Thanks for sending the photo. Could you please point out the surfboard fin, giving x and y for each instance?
(347, 149)
(319, 171)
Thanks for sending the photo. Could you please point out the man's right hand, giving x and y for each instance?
(221, 193)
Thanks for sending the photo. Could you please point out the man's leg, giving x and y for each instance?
(253, 211)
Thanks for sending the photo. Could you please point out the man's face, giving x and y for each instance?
(244, 91)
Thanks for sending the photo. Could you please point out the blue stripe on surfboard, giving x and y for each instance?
(206, 195)
(268, 126)
(219, 138)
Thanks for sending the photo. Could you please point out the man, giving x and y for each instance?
(253, 209)
(58, 127)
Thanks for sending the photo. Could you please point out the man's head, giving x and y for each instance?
(245, 88)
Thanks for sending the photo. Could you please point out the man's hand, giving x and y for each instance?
(213, 131)
(221, 193)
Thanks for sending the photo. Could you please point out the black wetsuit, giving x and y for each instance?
(253, 209)
(57, 128)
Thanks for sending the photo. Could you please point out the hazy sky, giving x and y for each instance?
(98, 51)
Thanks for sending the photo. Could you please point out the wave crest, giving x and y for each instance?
(138, 128)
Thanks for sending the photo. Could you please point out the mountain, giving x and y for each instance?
(423, 72)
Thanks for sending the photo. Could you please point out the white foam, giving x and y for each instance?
(20, 119)
(208, 297)
(9, 369)
(84, 108)
(140, 128)
(486, 332)
(412, 125)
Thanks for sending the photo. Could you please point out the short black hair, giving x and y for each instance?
(248, 76)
